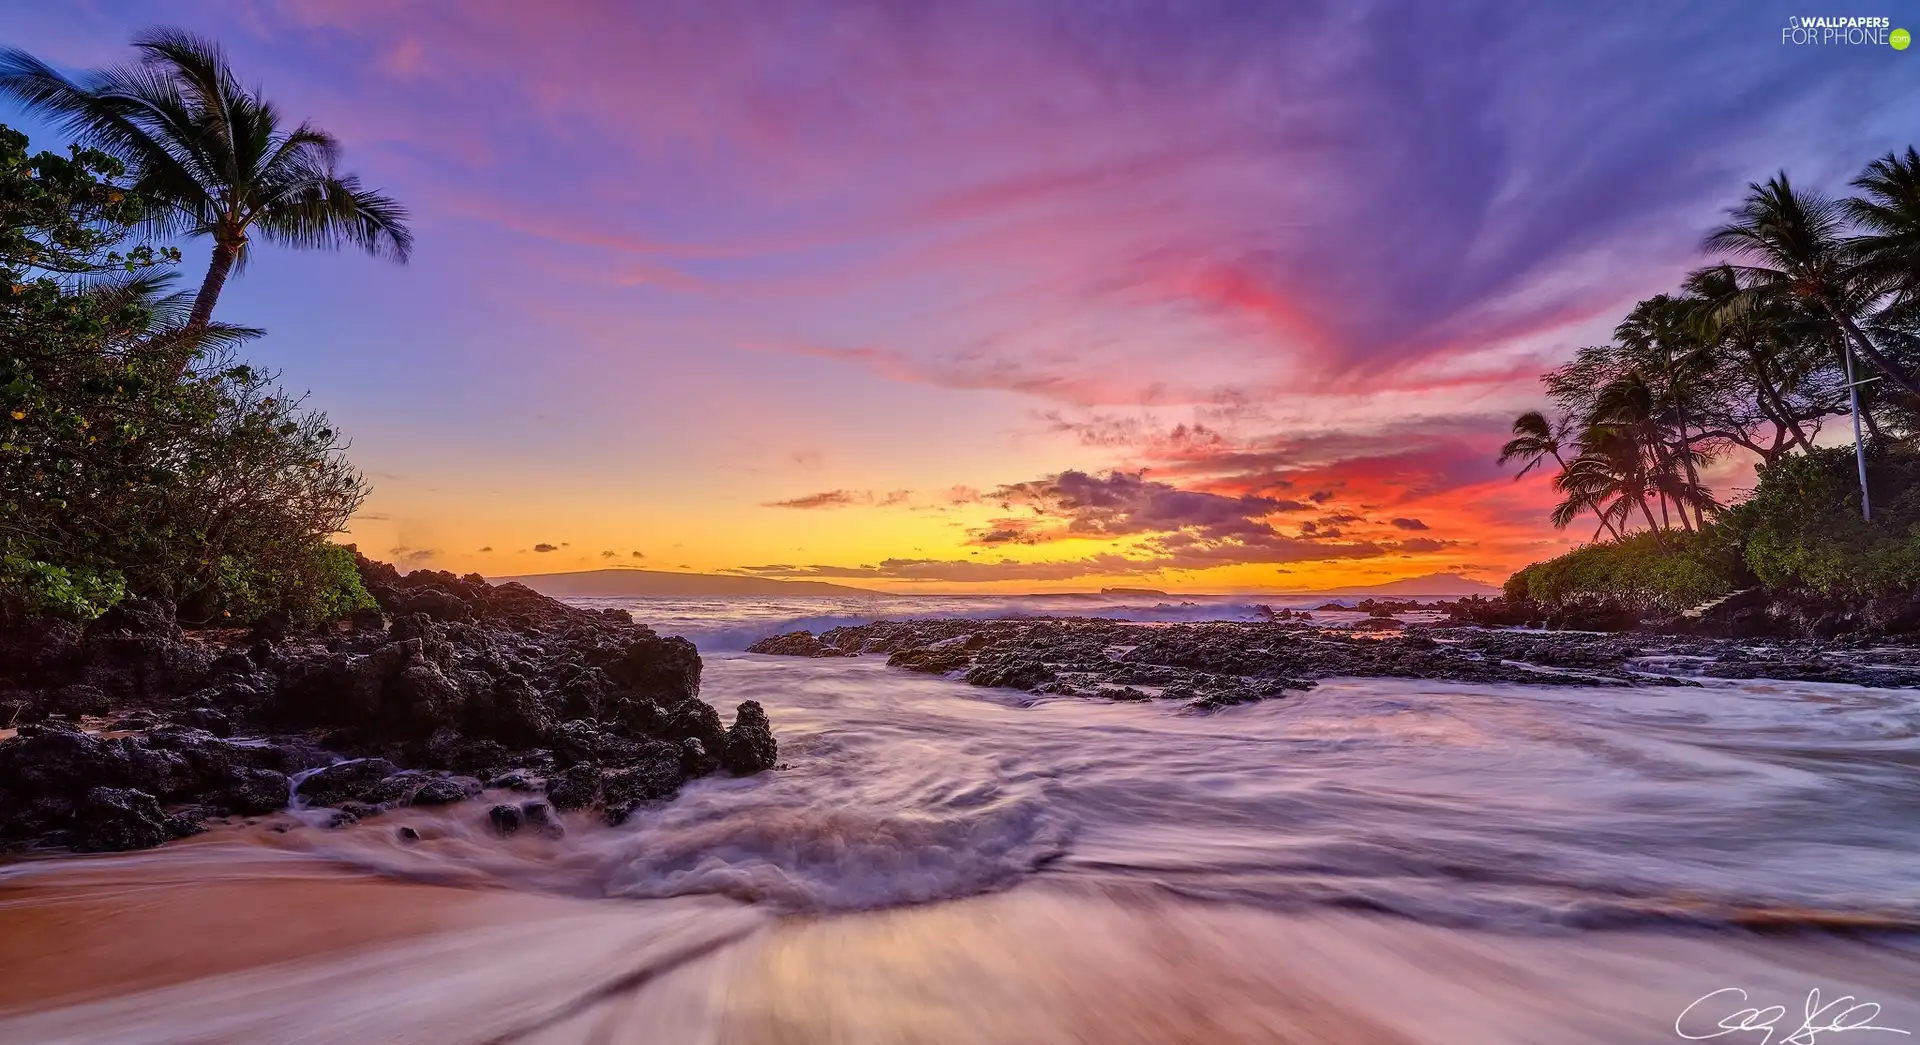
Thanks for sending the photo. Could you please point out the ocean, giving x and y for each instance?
(1375, 860)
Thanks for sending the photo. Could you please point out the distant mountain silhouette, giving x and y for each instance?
(661, 582)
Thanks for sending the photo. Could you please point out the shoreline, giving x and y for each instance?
(327, 957)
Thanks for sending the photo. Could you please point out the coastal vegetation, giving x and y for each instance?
(211, 157)
(150, 477)
(140, 454)
(1808, 312)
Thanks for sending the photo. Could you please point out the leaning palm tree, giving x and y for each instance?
(212, 157)
(1610, 477)
(1772, 351)
(1534, 440)
(1628, 412)
(1612, 513)
(1671, 357)
(1791, 244)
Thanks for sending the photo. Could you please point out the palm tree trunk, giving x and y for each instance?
(217, 271)
(1886, 366)
(1859, 444)
(1693, 477)
(1652, 526)
(1562, 462)
(1686, 459)
(1774, 405)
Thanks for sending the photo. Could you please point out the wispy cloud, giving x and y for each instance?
(845, 499)
(1254, 256)
(825, 499)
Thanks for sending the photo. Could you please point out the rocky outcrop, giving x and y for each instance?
(456, 679)
(65, 786)
(750, 747)
(797, 644)
(1212, 666)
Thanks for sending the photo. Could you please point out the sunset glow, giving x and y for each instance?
(992, 297)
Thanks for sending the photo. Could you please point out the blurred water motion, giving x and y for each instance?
(1377, 861)
(1036, 966)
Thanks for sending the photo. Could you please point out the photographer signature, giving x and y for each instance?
(1841, 1014)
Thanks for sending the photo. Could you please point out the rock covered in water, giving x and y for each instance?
(750, 745)
(353, 780)
(505, 819)
(941, 659)
(1212, 666)
(444, 791)
(254, 792)
(574, 788)
(656, 775)
(541, 817)
(797, 644)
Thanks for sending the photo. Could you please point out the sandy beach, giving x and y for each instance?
(209, 944)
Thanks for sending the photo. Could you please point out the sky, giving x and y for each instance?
(977, 296)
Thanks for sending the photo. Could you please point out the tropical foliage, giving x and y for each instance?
(138, 454)
(210, 157)
(119, 471)
(1809, 311)
(1799, 530)
(1641, 571)
(1810, 303)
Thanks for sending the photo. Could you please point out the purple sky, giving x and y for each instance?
(826, 286)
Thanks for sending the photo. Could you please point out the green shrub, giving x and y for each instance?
(31, 588)
(328, 588)
(1641, 571)
(319, 582)
(120, 473)
(1800, 529)
(1805, 528)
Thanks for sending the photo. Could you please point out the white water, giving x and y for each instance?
(1527, 809)
(1607, 850)
(721, 624)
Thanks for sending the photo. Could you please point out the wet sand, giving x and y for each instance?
(209, 945)
(101, 933)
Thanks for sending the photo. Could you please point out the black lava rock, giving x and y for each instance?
(750, 744)
(506, 819)
(356, 779)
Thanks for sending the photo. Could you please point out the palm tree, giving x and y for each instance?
(1794, 241)
(1609, 477)
(1771, 353)
(212, 157)
(1627, 416)
(1669, 356)
(1793, 246)
(1888, 209)
(1534, 440)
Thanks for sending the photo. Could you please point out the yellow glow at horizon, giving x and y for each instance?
(400, 523)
